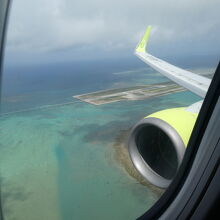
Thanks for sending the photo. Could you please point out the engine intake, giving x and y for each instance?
(157, 144)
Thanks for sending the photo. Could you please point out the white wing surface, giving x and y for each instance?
(191, 81)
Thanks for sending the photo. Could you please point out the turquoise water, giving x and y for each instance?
(63, 162)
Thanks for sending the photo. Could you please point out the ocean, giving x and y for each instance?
(61, 158)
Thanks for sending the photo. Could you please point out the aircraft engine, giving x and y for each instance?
(157, 144)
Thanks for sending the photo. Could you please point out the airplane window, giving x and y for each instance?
(94, 119)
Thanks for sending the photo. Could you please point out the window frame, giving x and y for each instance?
(4, 11)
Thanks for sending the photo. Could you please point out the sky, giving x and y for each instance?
(65, 30)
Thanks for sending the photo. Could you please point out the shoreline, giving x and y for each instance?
(121, 155)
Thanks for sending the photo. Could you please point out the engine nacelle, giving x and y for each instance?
(157, 144)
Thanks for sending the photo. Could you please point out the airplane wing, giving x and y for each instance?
(191, 81)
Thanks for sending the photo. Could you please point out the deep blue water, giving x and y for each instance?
(56, 83)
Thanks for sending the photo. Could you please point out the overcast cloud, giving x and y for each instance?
(76, 28)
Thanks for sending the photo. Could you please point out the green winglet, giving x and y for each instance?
(143, 43)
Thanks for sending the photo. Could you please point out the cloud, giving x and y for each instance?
(43, 27)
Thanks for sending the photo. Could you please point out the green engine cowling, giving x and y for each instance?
(157, 144)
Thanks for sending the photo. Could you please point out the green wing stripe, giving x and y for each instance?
(143, 43)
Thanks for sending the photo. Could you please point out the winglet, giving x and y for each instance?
(143, 43)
